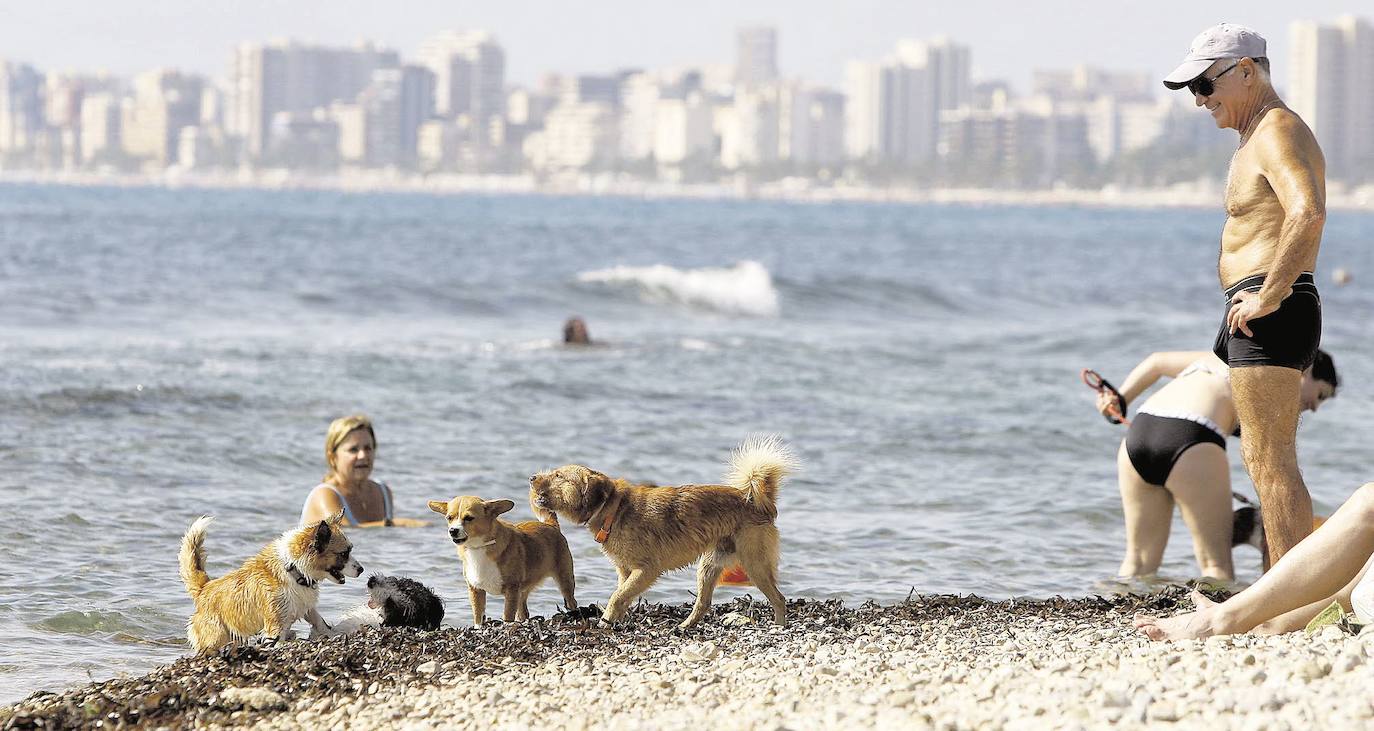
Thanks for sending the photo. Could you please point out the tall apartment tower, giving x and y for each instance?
(756, 55)
(1331, 86)
(893, 107)
(469, 70)
(286, 76)
(21, 106)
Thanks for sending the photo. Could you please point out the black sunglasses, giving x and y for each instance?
(1202, 86)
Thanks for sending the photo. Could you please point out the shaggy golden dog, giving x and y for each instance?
(271, 591)
(646, 531)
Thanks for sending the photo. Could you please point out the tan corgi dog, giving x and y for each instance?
(505, 558)
(271, 591)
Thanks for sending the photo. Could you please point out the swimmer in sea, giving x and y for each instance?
(575, 332)
(350, 447)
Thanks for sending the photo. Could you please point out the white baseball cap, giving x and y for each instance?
(1223, 40)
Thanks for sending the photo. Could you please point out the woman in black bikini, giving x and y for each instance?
(349, 449)
(1175, 452)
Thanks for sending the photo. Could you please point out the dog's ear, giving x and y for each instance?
(439, 506)
(336, 518)
(323, 533)
(497, 507)
(600, 488)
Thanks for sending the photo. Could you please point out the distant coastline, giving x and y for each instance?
(1197, 194)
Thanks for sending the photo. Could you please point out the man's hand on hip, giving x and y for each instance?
(1246, 306)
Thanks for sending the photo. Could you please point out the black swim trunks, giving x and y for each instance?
(1154, 443)
(1286, 337)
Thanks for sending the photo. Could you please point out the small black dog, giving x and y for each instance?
(394, 601)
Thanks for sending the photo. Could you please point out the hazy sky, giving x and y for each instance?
(815, 39)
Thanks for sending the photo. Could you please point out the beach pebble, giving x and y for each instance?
(1331, 633)
(699, 651)
(735, 619)
(426, 668)
(257, 699)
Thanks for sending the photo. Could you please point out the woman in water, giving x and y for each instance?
(350, 446)
(1175, 452)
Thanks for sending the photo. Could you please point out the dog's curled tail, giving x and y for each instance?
(193, 556)
(757, 468)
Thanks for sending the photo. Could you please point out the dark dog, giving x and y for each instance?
(395, 601)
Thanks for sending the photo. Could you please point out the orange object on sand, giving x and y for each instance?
(734, 576)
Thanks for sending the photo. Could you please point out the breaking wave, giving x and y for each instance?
(744, 289)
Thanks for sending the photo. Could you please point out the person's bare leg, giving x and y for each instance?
(1298, 618)
(1201, 485)
(1148, 510)
(1267, 401)
(1314, 571)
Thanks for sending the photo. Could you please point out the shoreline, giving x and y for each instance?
(928, 662)
(1205, 194)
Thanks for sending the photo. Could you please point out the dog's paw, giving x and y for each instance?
(317, 633)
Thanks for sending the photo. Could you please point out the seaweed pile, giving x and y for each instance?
(205, 690)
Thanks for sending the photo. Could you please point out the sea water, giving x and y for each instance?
(166, 354)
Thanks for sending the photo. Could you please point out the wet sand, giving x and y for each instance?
(938, 662)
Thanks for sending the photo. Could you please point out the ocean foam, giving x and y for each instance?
(744, 289)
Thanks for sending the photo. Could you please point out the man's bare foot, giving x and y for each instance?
(1186, 626)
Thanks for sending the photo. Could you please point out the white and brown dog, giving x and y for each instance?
(509, 559)
(271, 591)
(646, 530)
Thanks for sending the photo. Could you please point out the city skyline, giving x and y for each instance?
(914, 114)
(76, 35)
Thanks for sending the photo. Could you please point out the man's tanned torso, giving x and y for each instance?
(1281, 148)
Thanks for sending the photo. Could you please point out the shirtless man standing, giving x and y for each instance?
(1276, 207)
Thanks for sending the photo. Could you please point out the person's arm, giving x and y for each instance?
(1164, 364)
(409, 522)
(321, 503)
(1292, 163)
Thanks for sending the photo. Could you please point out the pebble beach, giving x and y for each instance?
(939, 662)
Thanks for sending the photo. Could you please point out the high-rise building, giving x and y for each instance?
(304, 140)
(892, 113)
(950, 64)
(395, 104)
(21, 106)
(682, 130)
(100, 121)
(749, 127)
(811, 125)
(165, 101)
(640, 95)
(756, 55)
(575, 137)
(286, 76)
(1331, 86)
(1032, 144)
(893, 106)
(469, 70)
